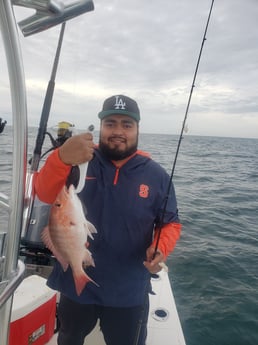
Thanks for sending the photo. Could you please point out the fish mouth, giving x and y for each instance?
(57, 204)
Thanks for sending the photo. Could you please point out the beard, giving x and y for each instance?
(116, 154)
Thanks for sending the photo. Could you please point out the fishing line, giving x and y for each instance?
(161, 224)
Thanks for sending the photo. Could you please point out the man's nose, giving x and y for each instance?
(118, 129)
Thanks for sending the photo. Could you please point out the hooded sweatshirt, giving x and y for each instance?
(125, 204)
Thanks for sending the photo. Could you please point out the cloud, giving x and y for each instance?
(149, 50)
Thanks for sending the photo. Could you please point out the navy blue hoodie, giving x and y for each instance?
(124, 204)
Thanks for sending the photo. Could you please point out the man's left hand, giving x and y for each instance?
(153, 260)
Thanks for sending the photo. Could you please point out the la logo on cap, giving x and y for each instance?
(119, 103)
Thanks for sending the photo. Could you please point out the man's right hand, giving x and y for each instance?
(77, 149)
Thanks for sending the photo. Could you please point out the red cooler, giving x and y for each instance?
(33, 313)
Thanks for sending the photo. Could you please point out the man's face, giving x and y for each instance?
(118, 136)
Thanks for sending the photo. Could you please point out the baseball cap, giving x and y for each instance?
(120, 105)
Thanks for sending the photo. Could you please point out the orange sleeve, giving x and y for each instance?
(51, 178)
(169, 235)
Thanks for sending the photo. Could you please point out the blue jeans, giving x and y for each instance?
(120, 326)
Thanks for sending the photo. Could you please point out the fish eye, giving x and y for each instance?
(57, 204)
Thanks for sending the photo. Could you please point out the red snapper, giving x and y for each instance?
(66, 236)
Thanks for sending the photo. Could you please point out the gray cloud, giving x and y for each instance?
(148, 50)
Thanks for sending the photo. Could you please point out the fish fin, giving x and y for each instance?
(63, 263)
(90, 229)
(46, 238)
(80, 280)
(88, 259)
(92, 262)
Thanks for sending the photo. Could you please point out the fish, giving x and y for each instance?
(66, 236)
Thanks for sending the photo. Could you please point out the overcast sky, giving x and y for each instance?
(148, 50)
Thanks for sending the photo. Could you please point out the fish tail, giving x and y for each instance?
(81, 279)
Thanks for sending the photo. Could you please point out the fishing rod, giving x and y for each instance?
(47, 105)
(29, 195)
(161, 224)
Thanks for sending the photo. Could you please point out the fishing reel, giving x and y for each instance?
(64, 132)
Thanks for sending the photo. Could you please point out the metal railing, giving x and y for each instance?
(8, 287)
(12, 272)
(48, 14)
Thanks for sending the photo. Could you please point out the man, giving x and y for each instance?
(124, 195)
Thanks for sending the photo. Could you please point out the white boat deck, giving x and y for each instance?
(165, 330)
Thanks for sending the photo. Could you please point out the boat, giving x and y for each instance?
(2, 125)
(23, 291)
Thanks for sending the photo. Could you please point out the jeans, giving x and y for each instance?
(120, 326)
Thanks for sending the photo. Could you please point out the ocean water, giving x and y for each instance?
(214, 268)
